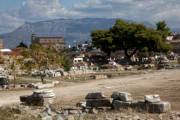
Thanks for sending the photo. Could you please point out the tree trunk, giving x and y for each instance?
(14, 80)
(128, 56)
(42, 78)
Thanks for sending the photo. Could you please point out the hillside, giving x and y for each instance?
(71, 29)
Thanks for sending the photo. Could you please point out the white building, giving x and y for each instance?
(79, 59)
(169, 38)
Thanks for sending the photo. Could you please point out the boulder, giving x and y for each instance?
(70, 110)
(160, 107)
(97, 95)
(96, 103)
(152, 98)
(122, 96)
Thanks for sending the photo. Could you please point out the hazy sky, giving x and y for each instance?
(14, 13)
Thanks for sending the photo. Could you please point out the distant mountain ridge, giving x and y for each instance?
(70, 29)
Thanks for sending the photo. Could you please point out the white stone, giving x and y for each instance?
(122, 96)
(160, 107)
(152, 98)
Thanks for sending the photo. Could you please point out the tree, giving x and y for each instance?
(129, 37)
(21, 44)
(13, 65)
(66, 62)
(103, 39)
(163, 28)
(41, 59)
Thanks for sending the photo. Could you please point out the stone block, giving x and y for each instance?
(98, 103)
(97, 95)
(152, 98)
(139, 106)
(39, 98)
(160, 107)
(118, 105)
(122, 96)
(24, 98)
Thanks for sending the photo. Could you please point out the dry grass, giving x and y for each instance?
(6, 114)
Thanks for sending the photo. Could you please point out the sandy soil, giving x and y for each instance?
(164, 82)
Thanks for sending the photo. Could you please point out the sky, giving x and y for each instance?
(14, 13)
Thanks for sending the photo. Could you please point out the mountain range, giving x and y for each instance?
(74, 31)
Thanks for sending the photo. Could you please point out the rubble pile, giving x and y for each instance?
(40, 85)
(96, 103)
(151, 103)
(124, 100)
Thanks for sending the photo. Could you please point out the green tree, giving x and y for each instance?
(103, 39)
(163, 28)
(66, 62)
(129, 37)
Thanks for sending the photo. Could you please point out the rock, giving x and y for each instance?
(16, 110)
(129, 67)
(93, 111)
(160, 107)
(97, 95)
(118, 105)
(23, 85)
(49, 112)
(136, 118)
(108, 119)
(70, 118)
(122, 96)
(101, 77)
(73, 111)
(81, 104)
(40, 85)
(34, 113)
(98, 103)
(43, 115)
(39, 98)
(152, 98)
(178, 114)
(70, 110)
(139, 106)
(48, 85)
(59, 117)
(55, 82)
(53, 109)
(24, 98)
(47, 118)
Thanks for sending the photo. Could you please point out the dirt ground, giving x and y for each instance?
(163, 82)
